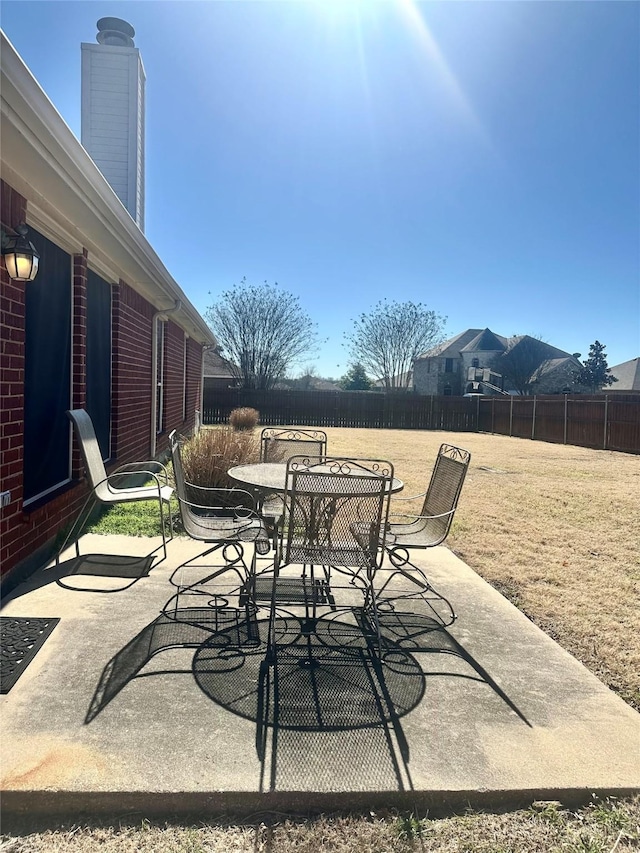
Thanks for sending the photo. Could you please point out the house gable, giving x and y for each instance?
(628, 375)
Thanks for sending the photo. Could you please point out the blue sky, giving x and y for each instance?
(482, 158)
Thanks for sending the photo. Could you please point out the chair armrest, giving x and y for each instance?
(414, 517)
(240, 513)
(412, 498)
(227, 494)
(152, 474)
(142, 468)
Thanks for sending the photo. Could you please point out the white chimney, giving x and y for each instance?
(112, 123)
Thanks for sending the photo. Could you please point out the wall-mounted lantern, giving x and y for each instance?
(21, 257)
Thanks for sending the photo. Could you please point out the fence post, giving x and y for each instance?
(493, 413)
(606, 420)
(431, 413)
(477, 413)
(566, 412)
(533, 418)
(511, 417)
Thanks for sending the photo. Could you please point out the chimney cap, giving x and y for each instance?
(115, 31)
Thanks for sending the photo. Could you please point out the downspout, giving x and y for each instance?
(154, 378)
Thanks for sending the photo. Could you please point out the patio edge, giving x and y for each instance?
(38, 805)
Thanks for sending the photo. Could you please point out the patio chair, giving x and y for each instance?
(428, 528)
(108, 489)
(279, 445)
(224, 519)
(335, 516)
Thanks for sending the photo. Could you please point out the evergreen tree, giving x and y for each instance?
(594, 373)
(356, 379)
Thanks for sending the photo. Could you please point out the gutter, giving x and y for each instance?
(164, 313)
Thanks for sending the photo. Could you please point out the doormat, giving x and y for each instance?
(20, 641)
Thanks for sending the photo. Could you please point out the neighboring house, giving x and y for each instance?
(308, 383)
(404, 382)
(627, 374)
(103, 327)
(475, 361)
(218, 372)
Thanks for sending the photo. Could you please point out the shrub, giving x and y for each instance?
(244, 419)
(207, 457)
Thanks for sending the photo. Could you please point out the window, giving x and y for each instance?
(475, 362)
(448, 365)
(161, 324)
(447, 390)
(47, 374)
(99, 359)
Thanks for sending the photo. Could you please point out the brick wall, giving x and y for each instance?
(430, 376)
(174, 385)
(194, 378)
(12, 310)
(131, 374)
(24, 532)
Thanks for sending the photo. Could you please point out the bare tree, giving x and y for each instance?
(387, 341)
(523, 357)
(262, 330)
(305, 380)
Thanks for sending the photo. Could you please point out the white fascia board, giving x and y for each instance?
(43, 159)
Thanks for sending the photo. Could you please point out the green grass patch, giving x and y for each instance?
(139, 518)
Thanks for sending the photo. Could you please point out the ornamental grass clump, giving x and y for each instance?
(244, 419)
(207, 457)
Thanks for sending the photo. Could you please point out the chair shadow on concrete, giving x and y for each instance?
(329, 697)
(419, 633)
(104, 573)
(344, 703)
(162, 634)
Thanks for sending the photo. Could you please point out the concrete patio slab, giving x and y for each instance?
(490, 712)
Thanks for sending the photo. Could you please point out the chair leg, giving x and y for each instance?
(440, 606)
(78, 525)
(162, 525)
(371, 607)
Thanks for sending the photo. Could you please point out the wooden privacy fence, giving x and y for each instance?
(344, 409)
(607, 421)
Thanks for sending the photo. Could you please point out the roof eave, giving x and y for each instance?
(43, 159)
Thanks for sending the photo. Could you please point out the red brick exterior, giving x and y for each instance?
(23, 532)
(12, 310)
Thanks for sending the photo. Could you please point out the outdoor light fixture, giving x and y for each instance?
(20, 255)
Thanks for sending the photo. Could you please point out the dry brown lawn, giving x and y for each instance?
(553, 527)
(611, 826)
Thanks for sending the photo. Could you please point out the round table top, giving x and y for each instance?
(271, 476)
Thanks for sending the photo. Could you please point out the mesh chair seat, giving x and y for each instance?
(224, 525)
(418, 533)
(128, 494)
